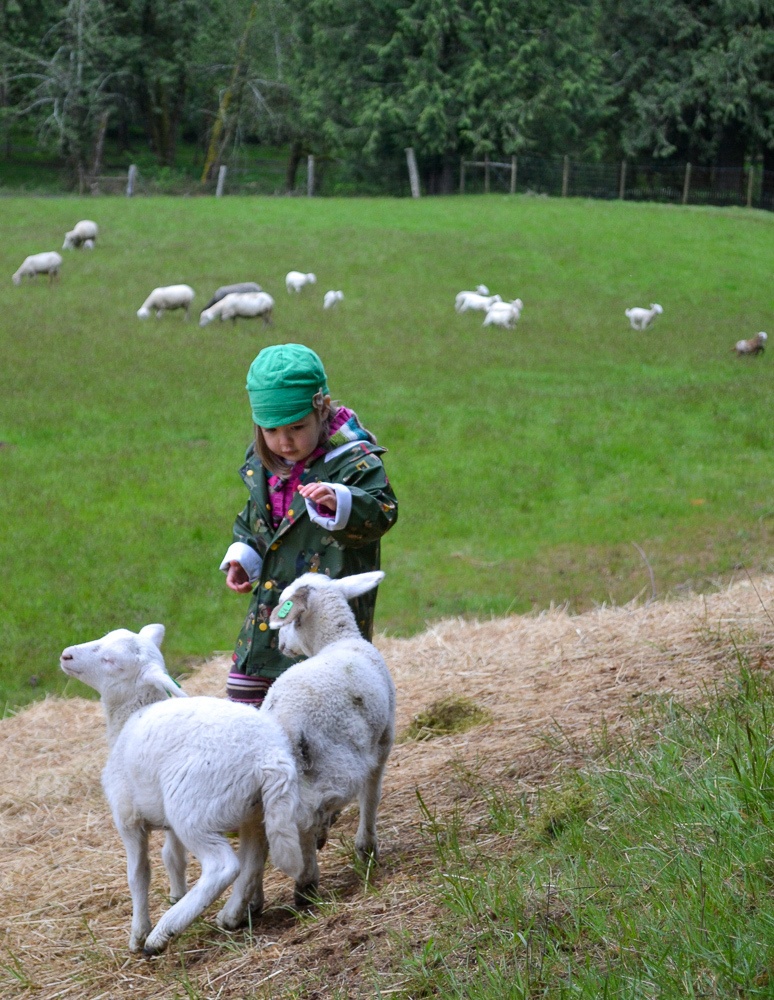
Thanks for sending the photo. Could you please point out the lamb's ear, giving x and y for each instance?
(354, 586)
(159, 678)
(153, 632)
(288, 611)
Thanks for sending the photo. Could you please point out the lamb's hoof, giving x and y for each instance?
(306, 896)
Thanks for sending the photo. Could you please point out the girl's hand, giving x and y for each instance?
(321, 494)
(237, 578)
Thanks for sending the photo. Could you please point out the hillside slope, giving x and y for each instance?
(65, 904)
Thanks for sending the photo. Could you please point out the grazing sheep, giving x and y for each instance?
(195, 767)
(166, 298)
(82, 233)
(224, 290)
(295, 280)
(337, 708)
(642, 318)
(48, 263)
(755, 345)
(472, 300)
(331, 298)
(247, 305)
(505, 314)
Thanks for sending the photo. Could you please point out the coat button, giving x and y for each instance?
(268, 585)
(263, 626)
(274, 547)
(290, 513)
(250, 472)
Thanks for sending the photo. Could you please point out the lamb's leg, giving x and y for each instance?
(366, 843)
(173, 855)
(219, 869)
(247, 894)
(309, 879)
(135, 840)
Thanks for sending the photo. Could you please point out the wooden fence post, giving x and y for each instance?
(411, 160)
(310, 176)
(687, 183)
(513, 175)
(566, 177)
(462, 175)
(222, 171)
(131, 178)
(750, 175)
(486, 173)
(622, 184)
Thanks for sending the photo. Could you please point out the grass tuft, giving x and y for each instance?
(445, 716)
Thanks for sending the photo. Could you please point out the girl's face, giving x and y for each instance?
(293, 442)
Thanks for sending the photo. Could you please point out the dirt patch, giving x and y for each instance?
(65, 906)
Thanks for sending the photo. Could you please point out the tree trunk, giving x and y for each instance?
(294, 162)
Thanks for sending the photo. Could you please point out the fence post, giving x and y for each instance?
(310, 176)
(566, 176)
(131, 178)
(622, 184)
(411, 160)
(486, 173)
(513, 175)
(462, 175)
(686, 183)
(222, 171)
(750, 175)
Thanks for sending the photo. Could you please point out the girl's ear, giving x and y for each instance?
(360, 583)
(288, 611)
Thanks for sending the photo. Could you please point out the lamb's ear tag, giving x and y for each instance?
(284, 610)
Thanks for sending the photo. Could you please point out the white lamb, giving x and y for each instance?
(83, 234)
(505, 314)
(167, 297)
(640, 318)
(337, 708)
(296, 280)
(47, 262)
(331, 298)
(247, 305)
(755, 345)
(472, 300)
(240, 286)
(195, 767)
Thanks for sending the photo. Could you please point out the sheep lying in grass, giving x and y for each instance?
(337, 708)
(505, 314)
(640, 319)
(47, 262)
(195, 767)
(239, 287)
(166, 298)
(247, 305)
(83, 234)
(755, 345)
(331, 298)
(296, 280)
(472, 300)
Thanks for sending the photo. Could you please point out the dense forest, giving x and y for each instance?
(666, 80)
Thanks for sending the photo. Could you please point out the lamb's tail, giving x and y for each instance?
(279, 790)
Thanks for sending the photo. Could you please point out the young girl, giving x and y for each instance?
(319, 502)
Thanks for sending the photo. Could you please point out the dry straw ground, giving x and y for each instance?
(65, 904)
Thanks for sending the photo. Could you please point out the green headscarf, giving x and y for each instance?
(282, 382)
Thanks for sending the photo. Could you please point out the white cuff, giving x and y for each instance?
(248, 559)
(340, 518)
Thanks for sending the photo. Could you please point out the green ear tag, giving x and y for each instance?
(283, 611)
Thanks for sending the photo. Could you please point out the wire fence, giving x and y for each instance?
(250, 172)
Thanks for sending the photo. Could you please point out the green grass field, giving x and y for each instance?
(529, 464)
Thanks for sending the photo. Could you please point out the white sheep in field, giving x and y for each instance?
(640, 318)
(331, 298)
(472, 300)
(296, 280)
(195, 767)
(755, 345)
(166, 298)
(83, 234)
(247, 305)
(505, 314)
(337, 708)
(47, 262)
(239, 287)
